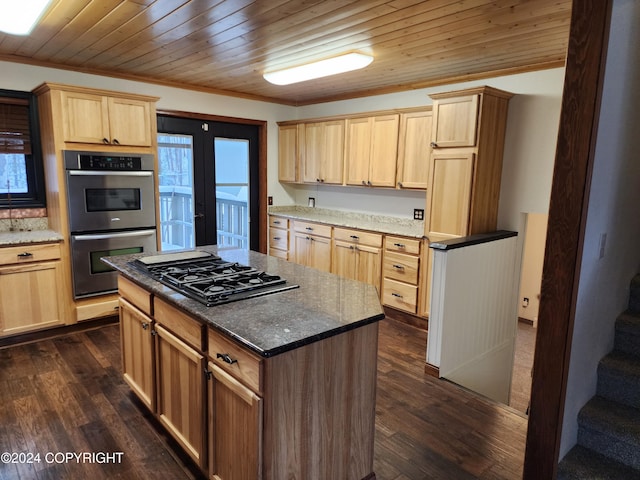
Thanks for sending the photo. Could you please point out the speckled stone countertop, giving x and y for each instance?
(15, 238)
(324, 304)
(375, 223)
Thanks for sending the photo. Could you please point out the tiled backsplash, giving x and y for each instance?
(23, 219)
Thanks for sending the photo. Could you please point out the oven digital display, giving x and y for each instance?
(98, 267)
(112, 199)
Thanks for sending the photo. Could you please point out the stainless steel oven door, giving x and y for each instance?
(90, 275)
(110, 200)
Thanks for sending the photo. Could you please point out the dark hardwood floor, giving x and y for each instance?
(67, 395)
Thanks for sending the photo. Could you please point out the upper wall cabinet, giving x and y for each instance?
(288, 170)
(323, 154)
(371, 150)
(90, 118)
(456, 121)
(413, 149)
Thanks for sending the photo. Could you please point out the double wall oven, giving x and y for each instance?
(111, 204)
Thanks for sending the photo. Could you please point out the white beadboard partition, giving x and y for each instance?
(473, 312)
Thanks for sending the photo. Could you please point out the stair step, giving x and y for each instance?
(612, 429)
(627, 336)
(619, 378)
(634, 295)
(581, 463)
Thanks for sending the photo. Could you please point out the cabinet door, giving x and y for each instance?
(455, 121)
(449, 194)
(313, 147)
(85, 118)
(332, 164)
(369, 265)
(129, 122)
(358, 150)
(414, 150)
(344, 259)
(29, 298)
(180, 390)
(320, 253)
(288, 153)
(301, 248)
(384, 151)
(235, 428)
(137, 352)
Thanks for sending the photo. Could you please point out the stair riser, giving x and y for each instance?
(623, 389)
(627, 342)
(612, 447)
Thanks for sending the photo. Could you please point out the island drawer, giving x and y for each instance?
(313, 228)
(29, 253)
(234, 359)
(402, 245)
(400, 295)
(401, 267)
(278, 222)
(137, 296)
(180, 323)
(358, 236)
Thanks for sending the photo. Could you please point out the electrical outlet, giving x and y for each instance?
(418, 214)
(270, 200)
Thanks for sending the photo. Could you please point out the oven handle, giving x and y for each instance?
(103, 173)
(114, 235)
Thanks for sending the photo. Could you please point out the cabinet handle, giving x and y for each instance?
(226, 358)
(145, 325)
(399, 245)
(396, 295)
(434, 145)
(355, 237)
(317, 179)
(25, 255)
(115, 141)
(277, 222)
(309, 228)
(399, 267)
(276, 238)
(364, 182)
(105, 140)
(208, 373)
(400, 184)
(369, 182)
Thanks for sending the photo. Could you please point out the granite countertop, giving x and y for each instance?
(375, 223)
(15, 238)
(323, 305)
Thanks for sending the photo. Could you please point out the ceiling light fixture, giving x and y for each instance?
(19, 18)
(323, 68)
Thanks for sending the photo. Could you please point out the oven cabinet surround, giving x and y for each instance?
(29, 277)
(278, 386)
(78, 118)
(375, 149)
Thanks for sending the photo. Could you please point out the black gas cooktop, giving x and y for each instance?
(208, 278)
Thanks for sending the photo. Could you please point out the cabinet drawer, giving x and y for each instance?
(357, 236)
(180, 323)
(278, 238)
(278, 222)
(313, 228)
(137, 295)
(401, 267)
(236, 360)
(399, 295)
(402, 245)
(283, 254)
(29, 253)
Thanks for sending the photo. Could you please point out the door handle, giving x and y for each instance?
(198, 216)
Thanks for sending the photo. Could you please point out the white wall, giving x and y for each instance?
(613, 209)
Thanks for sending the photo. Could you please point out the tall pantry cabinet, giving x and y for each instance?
(465, 168)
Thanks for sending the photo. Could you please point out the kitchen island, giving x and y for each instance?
(276, 386)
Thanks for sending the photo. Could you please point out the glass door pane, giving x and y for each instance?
(232, 191)
(175, 174)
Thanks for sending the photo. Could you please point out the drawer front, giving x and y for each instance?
(357, 236)
(400, 295)
(278, 222)
(180, 323)
(283, 254)
(401, 267)
(136, 295)
(278, 238)
(29, 253)
(410, 246)
(313, 228)
(237, 361)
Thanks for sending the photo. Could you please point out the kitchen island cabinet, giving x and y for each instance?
(289, 384)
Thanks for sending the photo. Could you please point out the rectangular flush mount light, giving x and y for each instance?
(19, 17)
(322, 68)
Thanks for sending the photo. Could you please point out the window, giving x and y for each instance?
(21, 170)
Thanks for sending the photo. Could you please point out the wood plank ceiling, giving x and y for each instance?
(224, 46)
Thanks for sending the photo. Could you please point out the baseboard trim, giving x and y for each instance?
(409, 319)
(432, 370)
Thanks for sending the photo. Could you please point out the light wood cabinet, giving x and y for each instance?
(371, 150)
(30, 276)
(323, 155)
(288, 154)
(357, 255)
(401, 267)
(312, 245)
(456, 120)
(279, 237)
(92, 118)
(413, 149)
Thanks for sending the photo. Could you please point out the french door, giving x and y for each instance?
(209, 183)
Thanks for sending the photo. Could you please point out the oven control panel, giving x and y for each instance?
(101, 162)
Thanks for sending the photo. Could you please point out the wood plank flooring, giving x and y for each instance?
(67, 395)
